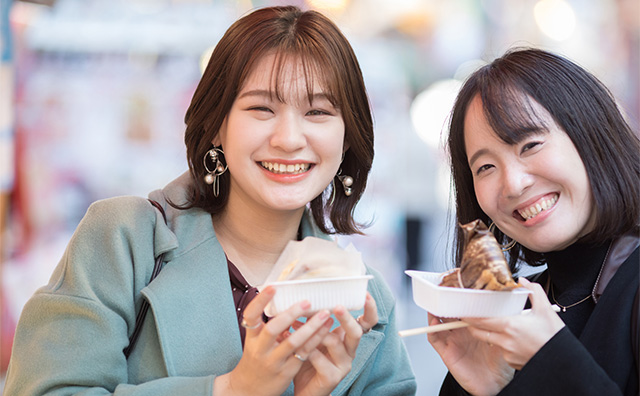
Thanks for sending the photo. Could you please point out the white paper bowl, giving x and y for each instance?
(322, 293)
(451, 302)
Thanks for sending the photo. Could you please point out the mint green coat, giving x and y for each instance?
(71, 333)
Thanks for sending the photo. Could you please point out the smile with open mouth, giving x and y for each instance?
(290, 169)
(535, 209)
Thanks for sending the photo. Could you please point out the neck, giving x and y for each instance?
(253, 240)
(577, 266)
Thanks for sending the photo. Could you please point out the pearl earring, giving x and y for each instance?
(213, 157)
(347, 182)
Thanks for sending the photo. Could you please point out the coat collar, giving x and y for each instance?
(619, 251)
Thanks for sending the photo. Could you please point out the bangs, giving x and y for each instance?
(307, 69)
(510, 113)
(294, 66)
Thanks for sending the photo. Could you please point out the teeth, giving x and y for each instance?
(283, 168)
(534, 210)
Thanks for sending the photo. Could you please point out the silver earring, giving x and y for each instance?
(333, 191)
(506, 247)
(213, 157)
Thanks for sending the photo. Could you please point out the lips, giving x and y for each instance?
(535, 209)
(285, 169)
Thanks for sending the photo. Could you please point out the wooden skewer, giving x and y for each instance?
(433, 329)
(449, 325)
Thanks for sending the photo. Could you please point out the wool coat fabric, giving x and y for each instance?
(72, 332)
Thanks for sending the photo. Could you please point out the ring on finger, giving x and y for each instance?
(300, 358)
(248, 326)
(359, 320)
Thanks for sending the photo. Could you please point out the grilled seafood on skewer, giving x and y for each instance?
(483, 265)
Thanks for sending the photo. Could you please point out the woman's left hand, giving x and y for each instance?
(520, 336)
(328, 364)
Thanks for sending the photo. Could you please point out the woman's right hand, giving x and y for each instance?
(268, 364)
(478, 366)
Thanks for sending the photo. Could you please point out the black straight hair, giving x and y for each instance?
(582, 107)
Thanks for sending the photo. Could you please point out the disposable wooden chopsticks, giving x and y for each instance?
(449, 325)
(433, 329)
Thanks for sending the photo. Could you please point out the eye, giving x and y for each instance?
(483, 168)
(318, 112)
(260, 108)
(530, 146)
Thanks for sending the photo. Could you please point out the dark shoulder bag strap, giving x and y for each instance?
(145, 304)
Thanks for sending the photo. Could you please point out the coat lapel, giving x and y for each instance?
(193, 305)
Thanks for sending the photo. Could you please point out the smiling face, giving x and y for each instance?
(281, 153)
(536, 190)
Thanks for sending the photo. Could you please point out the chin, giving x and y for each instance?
(288, 204)
(545, 246)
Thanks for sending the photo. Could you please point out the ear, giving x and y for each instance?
(345, 148)
(222, 133)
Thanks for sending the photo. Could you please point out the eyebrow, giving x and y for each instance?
(268, 94)
(255, 92)
(477, 154)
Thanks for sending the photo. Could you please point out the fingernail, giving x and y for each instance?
(324, 314)
(269, 290)
(305, 304)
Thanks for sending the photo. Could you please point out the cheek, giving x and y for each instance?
(584, 195)
(486, 198)
(330, 143)
(333, 159)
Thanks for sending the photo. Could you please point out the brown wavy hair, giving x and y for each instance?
(585, 110)
(289, 33)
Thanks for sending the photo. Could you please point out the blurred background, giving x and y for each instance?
(93, 95)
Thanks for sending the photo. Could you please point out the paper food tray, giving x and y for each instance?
(451, 302)
(322, 293)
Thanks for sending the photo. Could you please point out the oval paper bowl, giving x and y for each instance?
(451, 302)
(322, 293)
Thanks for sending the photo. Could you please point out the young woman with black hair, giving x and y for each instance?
(539, 148)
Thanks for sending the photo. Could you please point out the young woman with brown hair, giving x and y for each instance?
(278, 122)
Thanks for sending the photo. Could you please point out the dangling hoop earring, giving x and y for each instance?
(506, 247)
(213, 157)
(333, 191)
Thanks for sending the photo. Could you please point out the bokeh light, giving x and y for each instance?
(555, 18)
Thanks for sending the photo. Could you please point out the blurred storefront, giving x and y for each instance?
(93, 95)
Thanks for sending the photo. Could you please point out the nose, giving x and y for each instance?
(515, 181)
(288, 134)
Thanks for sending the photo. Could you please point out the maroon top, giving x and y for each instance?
(243, 293)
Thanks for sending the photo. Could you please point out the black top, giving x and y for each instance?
(573, 273)
(593, 354)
